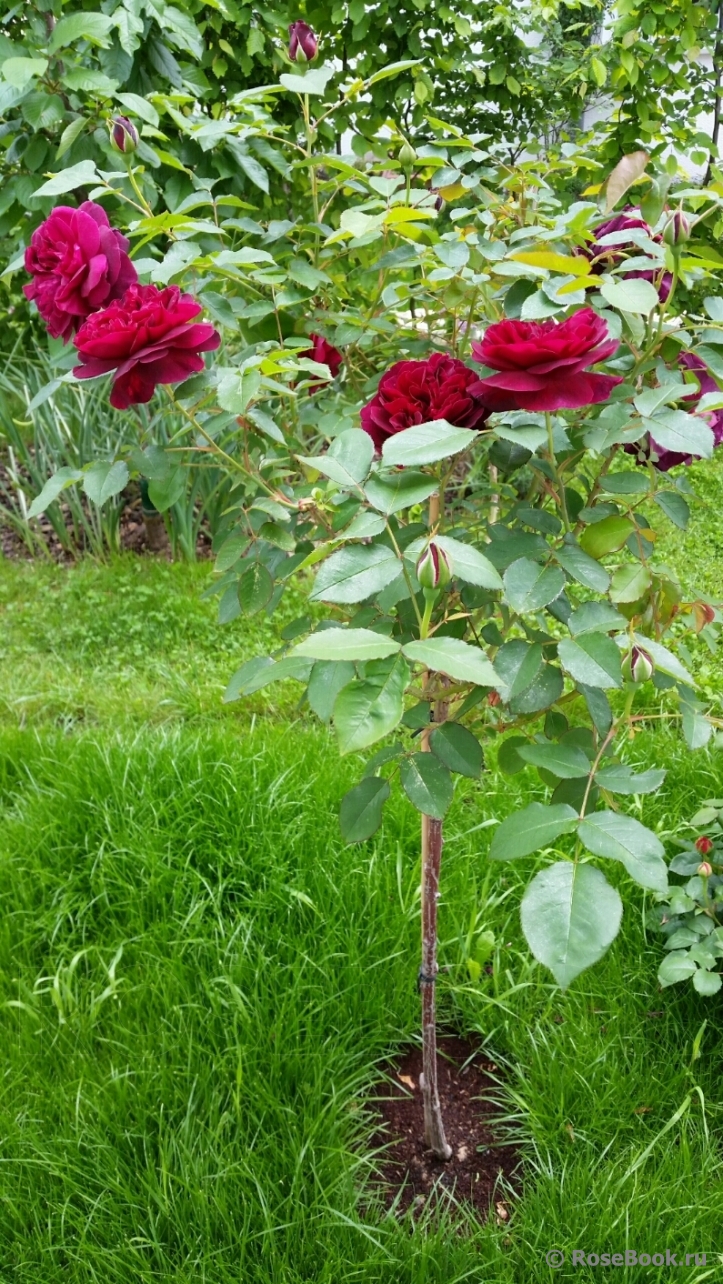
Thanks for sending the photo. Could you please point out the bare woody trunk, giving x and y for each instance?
(431, 861)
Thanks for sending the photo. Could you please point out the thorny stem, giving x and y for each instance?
(218, 450)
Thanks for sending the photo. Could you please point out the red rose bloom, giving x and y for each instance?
(327, 355)
(542, 364)
(79, 264)
(146, 338)
(604, 257)
(416, 392)
(664, 459)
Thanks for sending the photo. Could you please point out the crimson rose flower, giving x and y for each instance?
(604, 257)
(327, 355)
(302, 38)
(664, 459)
(415, 392)
(79, 264)
(542, 364)
(146, 338)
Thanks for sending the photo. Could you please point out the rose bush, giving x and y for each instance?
(490, 592)
(79, 263)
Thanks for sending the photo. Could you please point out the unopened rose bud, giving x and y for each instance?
(704, 845)
(303, 45)
(433, 568)
(637, 665)
(407, 156)
(677, 230)
(123, 135)
(704, 869)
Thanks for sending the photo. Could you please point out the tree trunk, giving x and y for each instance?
(431, 860)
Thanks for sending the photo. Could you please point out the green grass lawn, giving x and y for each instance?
(198, 980)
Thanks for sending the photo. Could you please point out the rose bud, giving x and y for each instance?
(407, 156)
(702, 614)
(303, 45)
(677, 230)
(637, 665)
(433, 568)
(704, 869)
(123, 135)
(704, 845)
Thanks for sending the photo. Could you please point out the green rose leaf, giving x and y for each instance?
(620, 837)
(426, 444)
(355, 573)
(527, 831)
(456, 659)
(361, 809)
(630, 582)
(570, 916)
(566, 761)
(529, 586)
(633, 295)
(103, 480)
(259, 672)
(676, 966)
(707, 983)
(347, 644)
(518, 664)
(427, 784)
(593, 659)
(392, 491)
(255, 588)
(469, 564)
(674, 507)
(458, 749)
(583, 568)
(595, 617)
(314, 81)
(52, 488)
(81, 175)
(621, 780)
(677, 430)
(606, 536)
(347, 460)
(328, 677)
(368, 709)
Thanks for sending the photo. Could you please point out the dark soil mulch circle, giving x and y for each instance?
(483, 1166)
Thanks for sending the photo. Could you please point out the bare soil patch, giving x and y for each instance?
(484, 1164)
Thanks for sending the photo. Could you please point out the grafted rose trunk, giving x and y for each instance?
(431, 861)
(432, 842)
